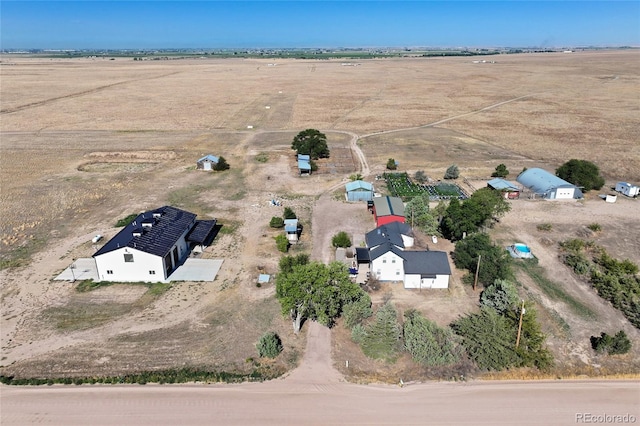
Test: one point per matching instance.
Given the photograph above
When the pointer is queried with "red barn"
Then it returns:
(387, 210)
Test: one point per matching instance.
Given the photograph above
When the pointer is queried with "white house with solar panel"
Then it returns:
(151, 247)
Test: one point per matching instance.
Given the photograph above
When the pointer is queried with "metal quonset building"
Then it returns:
(547, 185)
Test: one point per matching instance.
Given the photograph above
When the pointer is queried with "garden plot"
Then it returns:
(400, 185)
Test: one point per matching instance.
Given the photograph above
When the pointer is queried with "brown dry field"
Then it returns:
(86, 142)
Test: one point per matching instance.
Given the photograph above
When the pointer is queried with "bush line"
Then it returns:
(184, 375)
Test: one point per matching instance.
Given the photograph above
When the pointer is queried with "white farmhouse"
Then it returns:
(389, 261)
(627, 189)
(151, 247)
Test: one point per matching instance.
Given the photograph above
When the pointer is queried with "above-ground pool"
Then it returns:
(520, 251)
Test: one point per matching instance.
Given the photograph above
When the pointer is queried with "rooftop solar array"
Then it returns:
(167, 225)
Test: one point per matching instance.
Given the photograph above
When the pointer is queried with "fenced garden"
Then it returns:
(401, 185)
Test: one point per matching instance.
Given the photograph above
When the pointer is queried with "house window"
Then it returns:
(397, 271)
(384, 260)
(109, 272)
(152, 272)
(128, 257)
(393, 261)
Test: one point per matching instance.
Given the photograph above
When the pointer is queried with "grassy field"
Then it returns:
(85, 143)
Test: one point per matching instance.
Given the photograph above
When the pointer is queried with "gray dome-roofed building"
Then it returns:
(547, 185)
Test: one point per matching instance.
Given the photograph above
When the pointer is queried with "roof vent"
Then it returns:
(157, 215)
(137, 232)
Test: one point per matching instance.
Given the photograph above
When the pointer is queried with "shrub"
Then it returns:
(546, 227)
(221, 165)
(452, 172)
(262, 158)
(276, 222)
(341, 239)
(391, 164)
(269, 345)
(578, 262)
(282, 243)
(126, 220)
(289, 213)
(501, 171)
(420, 176)
(613, 345)
(595, 227)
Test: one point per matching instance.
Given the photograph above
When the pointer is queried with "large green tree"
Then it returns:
(479, 210)
(495, 262)
(417, 213)
(427, 343)
(488, 338)
(311, 142)
(383, 337)
(581, 173)
(501, 295)
(315, 291)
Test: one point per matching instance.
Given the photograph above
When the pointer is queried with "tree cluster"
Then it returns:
(311, 142)
(489, 339)
(418, 214)
(612, 345)
(615, 280)
(479, 210)
(495, 262)
(427, 343)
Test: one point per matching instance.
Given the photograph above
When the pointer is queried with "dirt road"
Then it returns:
(283, 402)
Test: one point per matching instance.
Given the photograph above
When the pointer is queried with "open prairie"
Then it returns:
(85, 142)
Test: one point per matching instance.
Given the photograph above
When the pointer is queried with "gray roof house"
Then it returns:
(388, 261)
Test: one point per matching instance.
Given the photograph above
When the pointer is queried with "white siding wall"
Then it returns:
(407, 241)
(564, 193)
(138, 270)
(388, 267)
(413, 281)
(627, 189)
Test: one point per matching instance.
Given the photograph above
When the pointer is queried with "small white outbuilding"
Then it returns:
(627, 189)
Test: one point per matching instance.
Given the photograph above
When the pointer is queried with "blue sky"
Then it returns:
(239, 24)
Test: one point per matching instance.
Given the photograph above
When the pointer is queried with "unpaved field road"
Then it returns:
(281, 402)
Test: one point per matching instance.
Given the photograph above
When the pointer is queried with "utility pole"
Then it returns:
(520, 325)
(475, 281)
